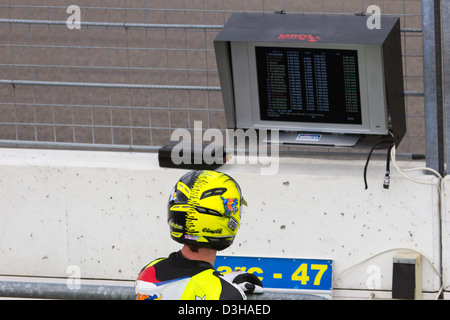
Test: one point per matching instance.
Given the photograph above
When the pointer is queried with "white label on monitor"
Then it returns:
(309, 137)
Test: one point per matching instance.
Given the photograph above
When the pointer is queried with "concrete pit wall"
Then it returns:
(105, 212)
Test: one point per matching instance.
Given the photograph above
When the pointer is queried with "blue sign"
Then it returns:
(282, 273)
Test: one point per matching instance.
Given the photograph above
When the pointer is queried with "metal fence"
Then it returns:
(136, 70)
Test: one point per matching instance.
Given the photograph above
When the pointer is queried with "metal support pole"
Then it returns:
(446, 59)
(432, 62)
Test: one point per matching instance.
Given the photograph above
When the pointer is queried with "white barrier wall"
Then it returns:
(446, 234)
(105, 212)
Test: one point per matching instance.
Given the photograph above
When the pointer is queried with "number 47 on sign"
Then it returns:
(310, 274)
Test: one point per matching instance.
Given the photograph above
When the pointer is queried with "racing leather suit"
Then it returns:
(178, 278)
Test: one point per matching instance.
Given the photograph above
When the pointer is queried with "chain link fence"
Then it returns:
(136, 70)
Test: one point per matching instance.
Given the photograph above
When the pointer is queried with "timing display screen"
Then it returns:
(308, 85)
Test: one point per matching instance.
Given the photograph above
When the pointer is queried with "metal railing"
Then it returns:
(92, 291)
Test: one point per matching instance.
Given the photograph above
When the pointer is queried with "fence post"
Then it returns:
(432, 65)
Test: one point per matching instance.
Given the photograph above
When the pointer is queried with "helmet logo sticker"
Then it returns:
(190, 237)
(175, 225)
(173, 195)
(232, 224)
(208, 230)
(230, 205)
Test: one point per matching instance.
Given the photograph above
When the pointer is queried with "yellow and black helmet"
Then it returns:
(205, 209)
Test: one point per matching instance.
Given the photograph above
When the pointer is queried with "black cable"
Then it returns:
(387, 164)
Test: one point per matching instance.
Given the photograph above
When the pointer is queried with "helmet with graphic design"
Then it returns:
(205, 209)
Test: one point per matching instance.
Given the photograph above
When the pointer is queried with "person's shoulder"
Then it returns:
(152, 263)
